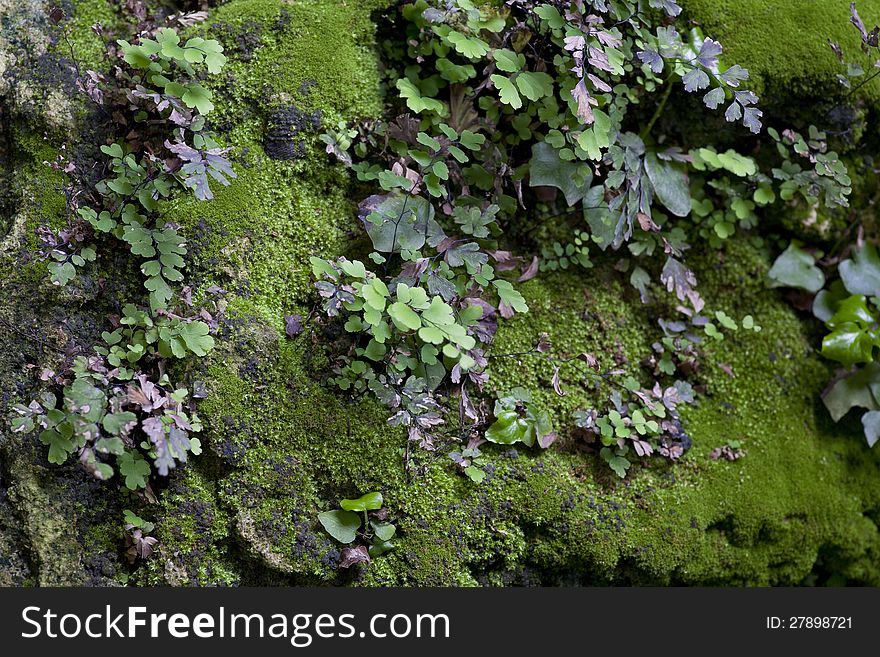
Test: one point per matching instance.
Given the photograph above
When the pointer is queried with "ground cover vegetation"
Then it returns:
(589, 289)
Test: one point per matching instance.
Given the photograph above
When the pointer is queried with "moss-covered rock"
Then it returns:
(784, 45)
(61, 526)
(801, 506)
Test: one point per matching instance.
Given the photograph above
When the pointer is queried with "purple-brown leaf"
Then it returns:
(293, 325)
(557, 388)
(353, 555)
(530, 272)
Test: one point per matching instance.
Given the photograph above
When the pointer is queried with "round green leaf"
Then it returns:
(404, 317)
(383, 530)
(341, 525)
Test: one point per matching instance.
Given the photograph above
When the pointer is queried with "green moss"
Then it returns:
(801, 506)
(285, 448)
(281, 55)
(193, 533)
(289, 462)
(255, 238)
(802, 503)
(806, 489)
(595, 315)
(46, 520)
(784, 44)
(39, 187)
(89, 49)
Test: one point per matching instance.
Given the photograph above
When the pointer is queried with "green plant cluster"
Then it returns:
(164, 86)
(120, 402)
(846, 289)
(347, 526)
(516, 109)
(638, 421)
(517, 421)
(558, 256)
(427, 319)
(424, 325)
(850, 308)
(138, 541)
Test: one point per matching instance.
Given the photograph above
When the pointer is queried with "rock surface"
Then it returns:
(802, 506)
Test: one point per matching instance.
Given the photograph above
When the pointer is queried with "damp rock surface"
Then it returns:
(281, 447)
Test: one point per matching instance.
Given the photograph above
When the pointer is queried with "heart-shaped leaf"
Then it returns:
(341, 525)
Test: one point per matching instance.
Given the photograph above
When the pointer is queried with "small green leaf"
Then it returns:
(195, 336)
(764, 195)
(61, 273)
(507, 60)
(119, 423)
(60, 446)
(670, 184)
(736, 163)
(151, 268)
(134, 469)
(426, 140)
(383, 530)
(469, 46)
(547, 169)
(367, 502)
(551, 15)
(742, 208)
(861, 274)
(379, 547)
(828, 300)
(854, 333)
(507, 429)
(198, 97)
(404, 318)
(432, 335)
(726, 320)
(375, 350)
(506, 91)
(416, 101)
(354, 268)
(113, 150)
(860, 389)
(110, 446)
(617, 463)
(438, 313)
(724, 229)
(22, 424)
(454, 72)
(871, 425)
(534, 86)
(341, 525)
(121, 186)
(475, 474)
(510, 296)
(471, 140)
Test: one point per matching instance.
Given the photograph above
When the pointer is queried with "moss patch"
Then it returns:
(802, 506)
(784, 44)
